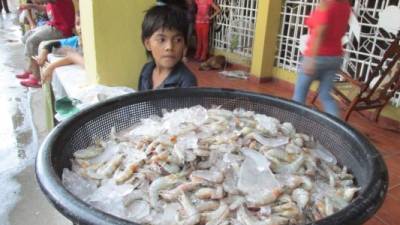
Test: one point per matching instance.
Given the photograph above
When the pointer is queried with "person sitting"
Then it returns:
(164, 35)
(69, 48)
(74, 42)
(60, 25)
(32, 17)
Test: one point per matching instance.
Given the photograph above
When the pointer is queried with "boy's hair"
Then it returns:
(164, 17)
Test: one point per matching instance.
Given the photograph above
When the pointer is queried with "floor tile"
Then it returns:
(389, 213)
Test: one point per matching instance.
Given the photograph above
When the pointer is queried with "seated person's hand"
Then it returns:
(39, 60)
(47, 73)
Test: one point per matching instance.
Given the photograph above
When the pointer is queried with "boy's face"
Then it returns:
(167, 47)
(78, 25)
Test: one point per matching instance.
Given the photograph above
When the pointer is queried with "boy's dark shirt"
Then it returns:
(180, 76)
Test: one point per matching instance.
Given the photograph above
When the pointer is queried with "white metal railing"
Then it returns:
(233, 29)
(367, 38)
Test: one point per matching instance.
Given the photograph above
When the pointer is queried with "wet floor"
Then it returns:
(20, 197)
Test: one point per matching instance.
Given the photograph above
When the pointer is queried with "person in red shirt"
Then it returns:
(61, 23)
(202, 26)
(322, 57)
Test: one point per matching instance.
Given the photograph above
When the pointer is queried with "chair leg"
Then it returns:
(377, 114)
(347, 115)
(350, 109)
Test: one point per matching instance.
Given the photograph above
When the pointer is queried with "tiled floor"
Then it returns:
(385, 135)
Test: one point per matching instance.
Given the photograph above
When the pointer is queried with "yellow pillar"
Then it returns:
(114, 54)
(264, 46)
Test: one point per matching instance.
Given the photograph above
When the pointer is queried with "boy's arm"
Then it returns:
(76, 58)
(32, 6)
(30, 19)
(68, 60)
(45, 50)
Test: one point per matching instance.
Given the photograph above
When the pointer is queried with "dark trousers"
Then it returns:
(4, 4)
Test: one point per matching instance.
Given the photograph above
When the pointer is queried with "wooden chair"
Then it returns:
(374, 91)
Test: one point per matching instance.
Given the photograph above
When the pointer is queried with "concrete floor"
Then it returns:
(21, 200)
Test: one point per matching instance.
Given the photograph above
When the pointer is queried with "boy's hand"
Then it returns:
(47, 73)
(39, 60)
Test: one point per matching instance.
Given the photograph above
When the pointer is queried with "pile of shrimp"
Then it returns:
(211, 166)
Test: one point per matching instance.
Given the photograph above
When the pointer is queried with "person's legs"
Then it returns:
(42, 33)
(329, 67)
(204, 40)
(27, 72)
(302, 85)
(5, 5)
(198, 42)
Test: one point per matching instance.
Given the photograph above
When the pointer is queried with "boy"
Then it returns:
(164, 30)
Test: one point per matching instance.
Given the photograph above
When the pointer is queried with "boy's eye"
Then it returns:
(178, 39)
(161, 39)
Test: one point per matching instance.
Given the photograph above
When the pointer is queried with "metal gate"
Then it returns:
(233, 29)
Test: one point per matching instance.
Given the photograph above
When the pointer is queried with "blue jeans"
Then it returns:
(325, 70)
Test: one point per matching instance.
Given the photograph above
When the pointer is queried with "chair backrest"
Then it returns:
(390, 85)
(384, 68)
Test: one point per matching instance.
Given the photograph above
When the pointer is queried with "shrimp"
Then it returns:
(204, 206)
(110, 167)
(208, 175)
(127, 173)
(192, 214)
(210, 193)
(349, 193)
(159, 184)
(218, 216)
(279, 154)
(292, 167)
(264, 198)
(90, 152)
(174, 193)
(301, 197)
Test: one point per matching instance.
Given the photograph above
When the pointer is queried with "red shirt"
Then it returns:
(203, 10)
(61, 15)
(336, 18)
